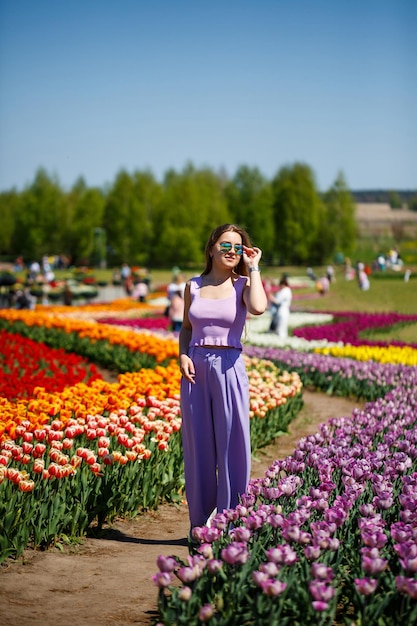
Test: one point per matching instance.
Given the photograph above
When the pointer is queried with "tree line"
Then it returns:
(396, 198)
(147, 223)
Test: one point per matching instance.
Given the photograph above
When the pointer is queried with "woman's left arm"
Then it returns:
(254, 295)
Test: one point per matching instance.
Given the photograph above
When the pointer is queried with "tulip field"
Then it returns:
(77, 451)
(327, 536)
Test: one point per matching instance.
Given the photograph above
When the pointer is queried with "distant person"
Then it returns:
(127, 280)
(330, 274)
(282, 301)
(67, 295)
(272, 307)
(311, 274)
(24, 299)
(176, 310)
(117, 277)
(349, 271)
(178, 282)
(323, 285)
(34, 271)
(140, 291)
(381, 262)
(363, 277)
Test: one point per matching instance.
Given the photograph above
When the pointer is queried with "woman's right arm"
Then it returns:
(186, 364)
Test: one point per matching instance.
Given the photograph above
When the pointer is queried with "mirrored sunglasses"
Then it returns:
(227, 247)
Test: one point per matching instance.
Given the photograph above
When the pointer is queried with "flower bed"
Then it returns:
(348, 326)
(328, 536)
(93, 451)
(27, 364)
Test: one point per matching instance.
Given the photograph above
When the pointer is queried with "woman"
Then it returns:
(214, 385)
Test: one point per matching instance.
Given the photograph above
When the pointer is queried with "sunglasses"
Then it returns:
(227, 247)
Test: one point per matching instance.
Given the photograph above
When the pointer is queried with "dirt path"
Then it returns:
(108, 581)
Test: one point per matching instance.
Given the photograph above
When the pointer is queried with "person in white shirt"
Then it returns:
(282, 299)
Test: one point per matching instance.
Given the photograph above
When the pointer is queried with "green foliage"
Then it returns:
(339, 230)
(148, 223)
(298, 215)
(412, 203)
(39, 224)
(87, 215)
(249, 197)
(129, 218)
(8, 205)
(394, 200)
(193, 203)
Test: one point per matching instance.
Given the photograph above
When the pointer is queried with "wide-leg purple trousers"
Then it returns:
(215, 432)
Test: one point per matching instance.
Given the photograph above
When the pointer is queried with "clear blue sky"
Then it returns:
(90, 87)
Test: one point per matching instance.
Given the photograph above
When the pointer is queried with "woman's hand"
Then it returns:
(252, 256)
(187, 368)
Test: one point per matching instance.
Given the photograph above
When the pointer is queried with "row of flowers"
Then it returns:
(51, 320)
(347, 327)
(329, 535)
(26, 364)
(338, 335)
(96, 450)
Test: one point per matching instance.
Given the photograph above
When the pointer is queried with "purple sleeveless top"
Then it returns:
(217, 322)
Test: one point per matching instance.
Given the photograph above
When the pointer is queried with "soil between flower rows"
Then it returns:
(107, 581)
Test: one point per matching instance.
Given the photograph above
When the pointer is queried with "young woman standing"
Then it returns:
(214, 385)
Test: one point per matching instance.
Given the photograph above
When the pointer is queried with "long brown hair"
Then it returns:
(215, 236)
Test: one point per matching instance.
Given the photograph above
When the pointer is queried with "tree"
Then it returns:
(394, 200)
(130, 218)
(192, 204)
(87, 216)
(339, 229)
(39, 212)
(249, 198)
(298, 211)
(412, 203)
(147, 194)
(9, 201)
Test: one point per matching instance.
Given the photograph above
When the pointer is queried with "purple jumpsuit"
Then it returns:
(215, 409)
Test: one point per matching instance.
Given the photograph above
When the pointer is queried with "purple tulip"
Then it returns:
(162, 579)
(206, 550)
(322, 572)
(409, 564)
(214, 566)
(374, 565)
(166, 563)
(273, 588)
(241, 533)
(236, 553)
(259, 577)
(282, 555)
(320, 591)
(312, 553)
(366, 586)
(185, 594)
(408, 586)
(205, 613)
(189, 574)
